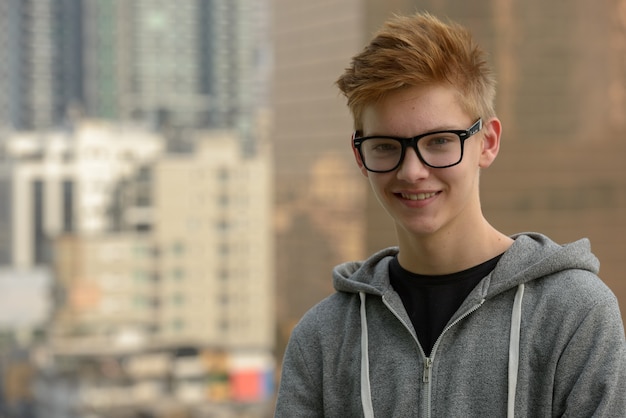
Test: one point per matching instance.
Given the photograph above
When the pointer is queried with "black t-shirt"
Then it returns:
(431, 301)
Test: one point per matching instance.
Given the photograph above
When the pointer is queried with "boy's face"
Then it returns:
(422, 200)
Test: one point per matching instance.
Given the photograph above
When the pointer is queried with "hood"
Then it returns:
(531, 256)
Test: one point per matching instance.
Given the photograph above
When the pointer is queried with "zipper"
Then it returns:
(456, 321)
(428, 361)
(428, 365)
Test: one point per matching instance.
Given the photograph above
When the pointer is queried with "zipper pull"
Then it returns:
(428, 364)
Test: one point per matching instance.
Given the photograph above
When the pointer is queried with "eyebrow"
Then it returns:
(359, 133)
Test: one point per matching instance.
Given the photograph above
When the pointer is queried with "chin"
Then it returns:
(419, 230)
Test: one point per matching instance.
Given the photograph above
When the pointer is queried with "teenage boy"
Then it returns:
(459, 320)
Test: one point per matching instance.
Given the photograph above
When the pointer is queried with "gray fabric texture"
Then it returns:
(572, 351)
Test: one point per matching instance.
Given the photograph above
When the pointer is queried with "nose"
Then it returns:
(412, 168)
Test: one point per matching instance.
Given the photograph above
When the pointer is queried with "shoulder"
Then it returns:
(317, 337)
(327, 316)
(574, 288)
(573, 302)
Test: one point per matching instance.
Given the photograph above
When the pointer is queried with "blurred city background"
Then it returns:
(176, 182)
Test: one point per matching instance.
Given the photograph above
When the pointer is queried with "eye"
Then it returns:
(385, 146)
(439, 141)
(382, 146)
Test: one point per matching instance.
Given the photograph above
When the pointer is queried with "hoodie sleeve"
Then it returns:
(591, 373)
(299, 394)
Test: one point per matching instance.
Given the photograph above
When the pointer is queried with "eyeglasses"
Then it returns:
(441, 149)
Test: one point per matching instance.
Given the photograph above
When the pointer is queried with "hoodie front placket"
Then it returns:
(428, 361)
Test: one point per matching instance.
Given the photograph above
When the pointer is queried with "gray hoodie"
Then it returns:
(541, 336)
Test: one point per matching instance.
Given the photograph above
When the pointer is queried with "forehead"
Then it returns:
(413, 110)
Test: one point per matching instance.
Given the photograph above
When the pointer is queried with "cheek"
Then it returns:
(472, 155)
(377, 182)
(465, 182)
(459, 176)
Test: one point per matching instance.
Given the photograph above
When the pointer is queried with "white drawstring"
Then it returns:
(514, 346)
(366, 393)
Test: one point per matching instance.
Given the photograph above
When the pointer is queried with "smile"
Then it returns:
(418, 196)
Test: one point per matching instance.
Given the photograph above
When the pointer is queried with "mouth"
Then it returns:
(417, 196)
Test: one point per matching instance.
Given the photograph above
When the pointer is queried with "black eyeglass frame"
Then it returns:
(405, 142)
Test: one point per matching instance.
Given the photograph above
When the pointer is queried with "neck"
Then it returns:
(449, 252)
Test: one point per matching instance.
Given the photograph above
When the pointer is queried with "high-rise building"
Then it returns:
(63, 181)
(142, 60)
(236, 62)
(200, 274)
(562, 78)
(199, 282)
(40, 72)
(213, 224)
(184, 64)
(27, 45)
(9, 63)
(320, 217)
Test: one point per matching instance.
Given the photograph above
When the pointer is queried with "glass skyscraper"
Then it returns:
(184, 64)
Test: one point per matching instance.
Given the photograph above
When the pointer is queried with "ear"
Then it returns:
(357, 156)
(492, 130)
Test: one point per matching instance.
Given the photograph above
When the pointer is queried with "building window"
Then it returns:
(178, 248)
(41, 250)
(141, 301)
(223, 325)
(140, 276)
(178, 324)
(223, 175)
(223, 225)
(178, 299)
(141, 251)
(68, 206)
(223, 200)
(178, 274)
(224, 249)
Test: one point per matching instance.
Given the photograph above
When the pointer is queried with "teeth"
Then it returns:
(418, 196)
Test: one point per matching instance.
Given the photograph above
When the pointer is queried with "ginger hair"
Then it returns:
(420, 50)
